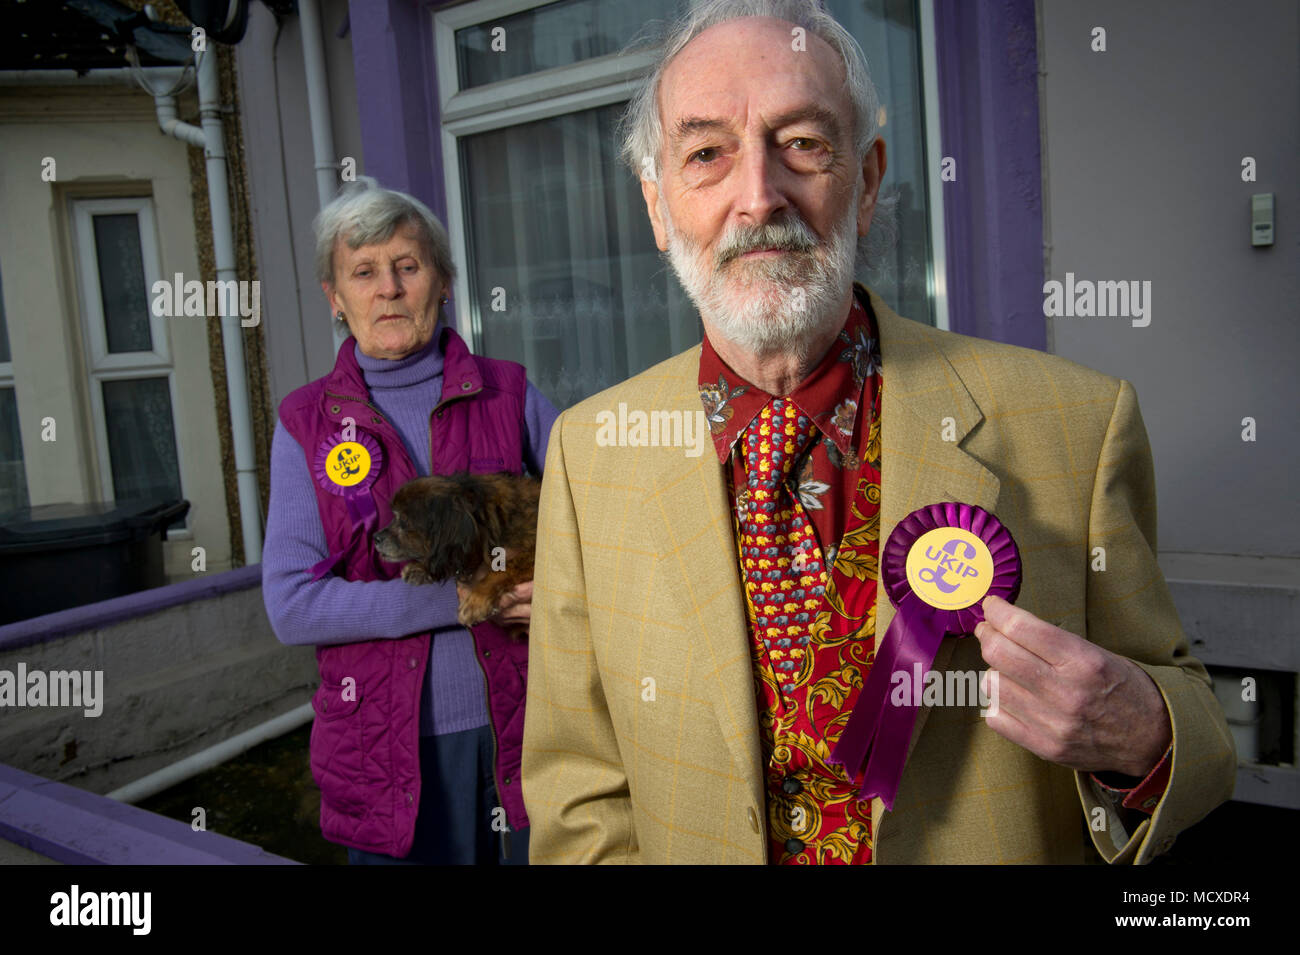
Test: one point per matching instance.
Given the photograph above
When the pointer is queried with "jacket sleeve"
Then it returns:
(575, 789)
(1130, 612)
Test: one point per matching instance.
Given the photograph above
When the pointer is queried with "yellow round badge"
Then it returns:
(949, 568)
(347, 464)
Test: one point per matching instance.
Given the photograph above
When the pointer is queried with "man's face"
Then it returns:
(760, 200)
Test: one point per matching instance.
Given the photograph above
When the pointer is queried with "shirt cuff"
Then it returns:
(1142, 795)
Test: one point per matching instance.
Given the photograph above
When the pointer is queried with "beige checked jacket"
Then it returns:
(641, 737)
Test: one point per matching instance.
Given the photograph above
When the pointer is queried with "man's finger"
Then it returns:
(1028, 706)
(1039, 637)
(1006, 656)
(1009, 726)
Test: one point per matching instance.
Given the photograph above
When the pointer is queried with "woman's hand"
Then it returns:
(514, 611)
(516, 607)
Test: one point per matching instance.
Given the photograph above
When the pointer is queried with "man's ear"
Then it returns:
(650, 190)
(873, 170)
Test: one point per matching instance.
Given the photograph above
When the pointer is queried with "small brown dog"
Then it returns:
(452, 526)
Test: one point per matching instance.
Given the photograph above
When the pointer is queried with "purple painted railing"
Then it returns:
(76, 827)
(51, 626)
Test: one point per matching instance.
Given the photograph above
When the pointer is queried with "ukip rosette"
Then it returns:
(940, 562)
(347, 464)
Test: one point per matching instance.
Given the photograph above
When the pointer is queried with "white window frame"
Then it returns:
(938, 278)
(566, 89)
(7, 381)
(83, 211)
(101, 366)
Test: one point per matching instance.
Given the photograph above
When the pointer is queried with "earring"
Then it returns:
(444, 300)
(339, 315)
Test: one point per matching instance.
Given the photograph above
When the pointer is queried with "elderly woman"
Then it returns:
(417, 736)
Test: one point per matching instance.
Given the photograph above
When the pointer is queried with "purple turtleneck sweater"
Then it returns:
(334, 610)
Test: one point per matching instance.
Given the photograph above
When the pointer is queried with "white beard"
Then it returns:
(755, 305)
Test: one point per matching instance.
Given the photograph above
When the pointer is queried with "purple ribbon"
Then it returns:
(359, 500)
(875, 740)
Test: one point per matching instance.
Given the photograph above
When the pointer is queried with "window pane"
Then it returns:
(121, 282)
(141, 439)
(5, 356)
(556, 34)
(887, 33)
(559, 227)
(13, 477)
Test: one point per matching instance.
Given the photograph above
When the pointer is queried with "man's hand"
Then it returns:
(1068, 700)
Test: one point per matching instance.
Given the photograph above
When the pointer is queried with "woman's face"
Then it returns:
(389, 293)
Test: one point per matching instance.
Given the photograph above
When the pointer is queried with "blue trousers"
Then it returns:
(460, 821)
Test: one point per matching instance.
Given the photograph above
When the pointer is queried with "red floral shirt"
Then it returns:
(807, 684)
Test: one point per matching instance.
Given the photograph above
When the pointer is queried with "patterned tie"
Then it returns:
(784, 572)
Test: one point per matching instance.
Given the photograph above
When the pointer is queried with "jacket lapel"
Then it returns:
(918, 466)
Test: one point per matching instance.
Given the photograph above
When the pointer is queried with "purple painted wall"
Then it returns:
(398, 99)
(988, 107)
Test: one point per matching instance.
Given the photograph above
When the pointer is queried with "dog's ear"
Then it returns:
(495, 510)
(453, 533)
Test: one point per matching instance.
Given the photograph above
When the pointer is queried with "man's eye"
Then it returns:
(705, 155)
(803, 143)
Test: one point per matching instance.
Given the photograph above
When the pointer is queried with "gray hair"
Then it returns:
(364, 212)
(642, 133)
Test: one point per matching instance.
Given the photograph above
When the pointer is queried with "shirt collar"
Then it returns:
(831, 395)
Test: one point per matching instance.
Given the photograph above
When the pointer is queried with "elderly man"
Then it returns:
(669, 719)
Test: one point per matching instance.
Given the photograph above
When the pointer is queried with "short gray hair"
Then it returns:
(364, 212)
(641, 131)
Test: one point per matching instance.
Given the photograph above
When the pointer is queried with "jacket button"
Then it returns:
(410, 798)
(375, 419)
(792, 786)
(753, 820)
(507, 780)
(466, 385)
(487, 653)
(439, 414)
(335, 409)
(794, 846)
(412, 663)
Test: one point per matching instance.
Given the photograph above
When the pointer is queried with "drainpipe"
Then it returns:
(318, 111)
(232, 337)
(199, 762)
(212, 138)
